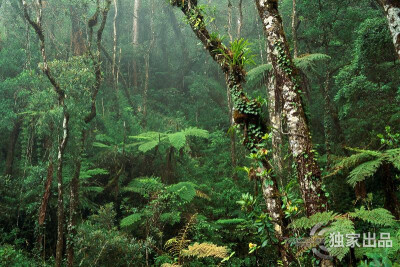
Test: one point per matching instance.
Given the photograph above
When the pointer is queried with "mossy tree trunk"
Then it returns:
(251, 122)
(392, 12)
(290, 85)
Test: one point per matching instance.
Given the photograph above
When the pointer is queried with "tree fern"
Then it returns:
(130, 220)
(378, 216)
(205, 250)
(341, 226)
(177, 244)
(185, 190)
(148, 141)
(363, 171)
(306, 63)
(318, 218)
(366, 163)
(144, 186)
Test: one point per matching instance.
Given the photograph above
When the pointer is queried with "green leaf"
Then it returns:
(363, 171)
(130, 220)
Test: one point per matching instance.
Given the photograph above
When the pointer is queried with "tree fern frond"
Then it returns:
(376, 216)
(185, 190)
(204, 250)
(193, 131)
(320, 217)
(130, 220)
(177, 140)
(363, 171)
(256, 77)
(341, 226)
(307, 63)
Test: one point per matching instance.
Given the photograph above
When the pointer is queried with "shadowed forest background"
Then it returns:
(198, 133)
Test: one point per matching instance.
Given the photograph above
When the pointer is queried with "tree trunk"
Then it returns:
(73, 206)
(392, 12)
(135, 40)
(294, 30)
(240, 19)
(390, 190)
(252, 125)
(77, 39)
(60, 190)
(45, 201)
(274, 111)
(147, 66)
(74, 186)
(327, 121)
(274, 207)
(12, 141)
(232, 133)
(286, 75)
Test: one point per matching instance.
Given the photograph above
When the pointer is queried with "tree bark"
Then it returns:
(251, 124)
(240, 19)
(74, 186)
(147, 66)
(275, 120)
(38, 27)
(77, 38)
(392, 12)
(391, 201)
(232, 133)
(294, 30)
(287, 78)
(11, 147)
(135, 40)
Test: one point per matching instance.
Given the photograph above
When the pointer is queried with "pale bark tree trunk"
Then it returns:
(38, 27)
(294, 29)
(147, 66)
(230, 21)
(114, 59)
(286, 75)
(135, 40)
(392, 12)
(274, 111)
(240, 19)
(327, 122)
(235, 78)
(232, 133)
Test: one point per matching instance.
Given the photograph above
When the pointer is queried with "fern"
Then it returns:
(185, 190)
(308, 62)
(144, 186)
(318, 218)
(193, 131)
(205, 250)
(130, 220)
(150, 140)
(177, 140)
(171, 217)
(256, 77)
(177, 244)
(341, 226)
(376, 216)
(230, 221)
(85, 174)
(363, 171)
